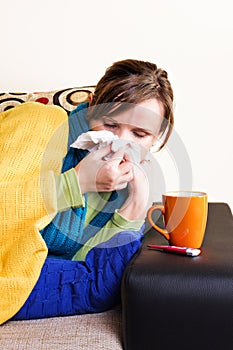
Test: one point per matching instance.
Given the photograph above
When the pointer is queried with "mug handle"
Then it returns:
(164, 232)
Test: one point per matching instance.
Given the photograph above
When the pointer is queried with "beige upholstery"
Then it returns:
(91, 331)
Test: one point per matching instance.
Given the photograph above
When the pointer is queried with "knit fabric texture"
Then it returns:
(27, 168)
(67, 287)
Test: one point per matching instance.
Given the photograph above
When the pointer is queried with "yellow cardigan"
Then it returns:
(33, 142)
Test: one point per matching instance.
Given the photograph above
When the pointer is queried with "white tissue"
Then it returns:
(94, 140)
(132, 149)
(135, 151)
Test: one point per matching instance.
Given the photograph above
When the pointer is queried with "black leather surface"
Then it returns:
(173, 301)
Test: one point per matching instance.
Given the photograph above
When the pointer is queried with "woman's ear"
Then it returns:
(90, 98)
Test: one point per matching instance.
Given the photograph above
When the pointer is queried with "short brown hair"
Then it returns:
(130, 82)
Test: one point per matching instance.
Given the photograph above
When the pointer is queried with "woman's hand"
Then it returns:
(98, 175)
(141, 191)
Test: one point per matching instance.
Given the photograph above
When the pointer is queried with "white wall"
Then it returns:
(50, 44)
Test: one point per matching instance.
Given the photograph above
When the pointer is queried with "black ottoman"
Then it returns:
(173, 301)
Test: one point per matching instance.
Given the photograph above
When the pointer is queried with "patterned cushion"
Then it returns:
(68, 99)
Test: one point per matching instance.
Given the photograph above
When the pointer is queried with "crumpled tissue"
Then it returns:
(94, 140)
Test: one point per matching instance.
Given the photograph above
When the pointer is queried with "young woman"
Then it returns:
(90, 206)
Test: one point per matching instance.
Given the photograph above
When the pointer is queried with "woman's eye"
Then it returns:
(110, 126)
(139, 134)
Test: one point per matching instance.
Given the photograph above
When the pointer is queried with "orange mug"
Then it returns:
(185, 217)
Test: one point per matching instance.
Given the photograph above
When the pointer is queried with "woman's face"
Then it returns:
(140, 124)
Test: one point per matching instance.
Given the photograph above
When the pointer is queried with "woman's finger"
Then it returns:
(126, 177)
(103, 151)
(119, 155)
(125, 167)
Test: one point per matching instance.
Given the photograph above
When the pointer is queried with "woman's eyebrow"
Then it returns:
(110, 119)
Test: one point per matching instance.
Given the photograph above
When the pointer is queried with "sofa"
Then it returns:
(167, 300)
(90, 331)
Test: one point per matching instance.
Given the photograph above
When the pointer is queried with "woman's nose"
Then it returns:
(124, 134)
